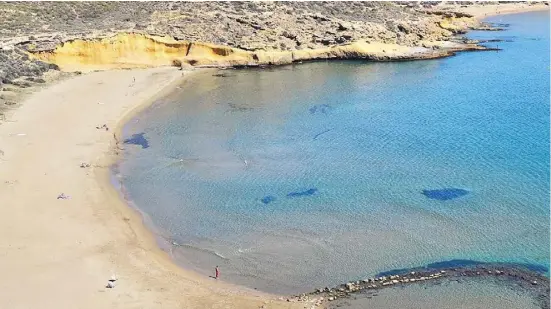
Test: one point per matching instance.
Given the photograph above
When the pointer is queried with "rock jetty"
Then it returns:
(536, 283)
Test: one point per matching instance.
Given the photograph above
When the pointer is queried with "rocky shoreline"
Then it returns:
(172, 50)
(520, 275)
(37, 38)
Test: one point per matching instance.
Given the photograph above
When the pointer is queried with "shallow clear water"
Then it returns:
(306, 176)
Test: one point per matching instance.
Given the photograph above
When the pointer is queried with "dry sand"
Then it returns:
(60, 253)
(486, 10)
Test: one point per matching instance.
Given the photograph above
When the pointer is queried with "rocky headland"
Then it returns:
(39, 40)
(38, 37)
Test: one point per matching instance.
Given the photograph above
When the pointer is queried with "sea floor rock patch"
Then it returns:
(308, 192)
(320, 108)
(268, 199)
(321, 133)
(137, 139)
(445, 193)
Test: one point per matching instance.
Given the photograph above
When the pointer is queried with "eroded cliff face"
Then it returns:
(123, 50)
(132, 50)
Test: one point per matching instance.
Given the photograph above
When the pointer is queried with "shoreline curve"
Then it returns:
(67, 249)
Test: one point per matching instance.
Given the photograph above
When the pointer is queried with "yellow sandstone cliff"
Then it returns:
(131, 50)
(124, 50)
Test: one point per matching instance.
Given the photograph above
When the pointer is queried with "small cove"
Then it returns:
(305, 176)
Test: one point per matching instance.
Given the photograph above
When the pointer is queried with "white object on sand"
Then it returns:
(111, 282)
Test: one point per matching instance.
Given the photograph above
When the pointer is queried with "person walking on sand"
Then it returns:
(216, 272)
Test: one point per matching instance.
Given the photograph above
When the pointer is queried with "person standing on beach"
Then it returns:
(216, 272)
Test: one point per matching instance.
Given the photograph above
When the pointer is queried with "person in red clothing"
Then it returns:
(216, 272)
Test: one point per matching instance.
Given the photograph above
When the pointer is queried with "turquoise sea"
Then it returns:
(305, 176)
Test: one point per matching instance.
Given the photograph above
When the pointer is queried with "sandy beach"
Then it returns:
(60, 253)
(487, 10)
